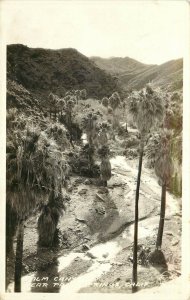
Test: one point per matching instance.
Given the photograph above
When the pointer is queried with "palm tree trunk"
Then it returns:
(126, 129)
(162, 217)
(18, 258)
(115, 120)
(135, 246)
(69, 121)
(91, 162)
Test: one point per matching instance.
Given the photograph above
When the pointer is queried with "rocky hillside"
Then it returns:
(42, 71)
(134, 75)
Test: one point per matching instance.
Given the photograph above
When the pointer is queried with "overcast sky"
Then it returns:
(149, 31)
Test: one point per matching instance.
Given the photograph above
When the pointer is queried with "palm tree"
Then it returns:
(33, 165)
(53, 105)
(69, 109)
(89, 127)
(83, 94)
(49, 218)
(105, 170)
(102, 137)
(51, 97)
(146, 108)
(114, 102)
(125, 113)
(164, 170)
(77, 95)
(105, 102)
(61, 105)
(105, 166)
(18, 258)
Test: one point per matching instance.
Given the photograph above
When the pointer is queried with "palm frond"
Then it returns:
(35, 165)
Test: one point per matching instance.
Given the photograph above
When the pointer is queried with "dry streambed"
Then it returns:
(97, 235)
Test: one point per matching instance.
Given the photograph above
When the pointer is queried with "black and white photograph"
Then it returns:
(94, 148)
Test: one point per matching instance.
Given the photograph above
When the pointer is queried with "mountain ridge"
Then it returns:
(133, 74)
(42, 71)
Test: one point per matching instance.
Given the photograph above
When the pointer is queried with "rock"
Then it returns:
(89, 254)
(82, 192)
(169, 233)
(87, 181)
(130, 258)
(118, 279)
(177, 214)
(65, 236)
(70, 189)
(85, 247)
(100, 210)
(79, 180)
(77, 258)
(80, 219)
(103, 190)
(105, 255)
(175, 242)
(118, 184)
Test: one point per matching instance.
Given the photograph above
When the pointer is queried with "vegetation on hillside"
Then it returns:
(43, 71)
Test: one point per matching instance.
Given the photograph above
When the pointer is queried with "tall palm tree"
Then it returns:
(164, 170)
(105, 166)
(61, 105)
(89, 127)
(69, 115)
(102, 136)
(114, 102)
(33, 165)
(105, 170)
(51, 97)
(18, 258)
(146, 109)
(53, 105)
(125, 113)
(77, 95)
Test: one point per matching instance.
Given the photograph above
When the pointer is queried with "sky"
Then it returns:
(151, 32)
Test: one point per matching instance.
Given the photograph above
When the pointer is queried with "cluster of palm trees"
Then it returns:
(112, 104)
(57, 105)
(97, 139)
(147, 110)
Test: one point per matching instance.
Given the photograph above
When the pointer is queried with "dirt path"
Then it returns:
(97, 235)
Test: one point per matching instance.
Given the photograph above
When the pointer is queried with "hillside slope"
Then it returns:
(119, 65)
(134, 75)
(43, 71)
